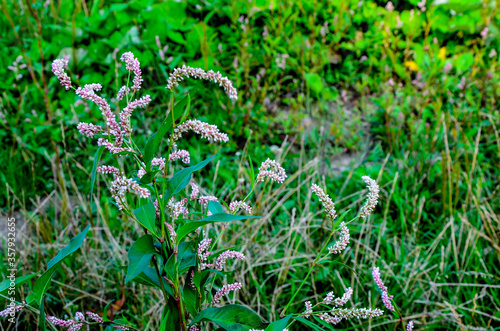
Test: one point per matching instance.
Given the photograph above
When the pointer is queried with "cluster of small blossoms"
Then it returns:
(132, 64)
(124, 90)
(122, 185)
(120, 327)
(205, 130)
(194, 328)
(309, 309)
(224, 291)
(179, 74)
(70, 324)
(181, 154)
(343, 241)
(108, 170)
(127, 111)
(95, 317)
(386, 298)
(11, 310)
(326, 201)
(237, 205)
(88, 129)
(372, 200)
(409, 326)
(221, 259)
(348, 313)
(177, 208)
(339, 301)
(203, 200)
(195, 191)
(272, 170)
(203, 253)
(58, 67)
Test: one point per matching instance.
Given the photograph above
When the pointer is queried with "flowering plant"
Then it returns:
(178, 251)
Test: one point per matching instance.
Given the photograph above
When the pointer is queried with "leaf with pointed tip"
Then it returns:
(231, 317)
(146, 215)
(182, 178)
(4, 286)
(139, 256)
(279, 325)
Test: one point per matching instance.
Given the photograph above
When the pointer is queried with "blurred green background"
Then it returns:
(405, 94)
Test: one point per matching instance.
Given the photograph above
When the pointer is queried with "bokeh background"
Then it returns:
(403, 92)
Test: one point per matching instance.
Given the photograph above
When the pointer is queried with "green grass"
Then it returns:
(433, 147)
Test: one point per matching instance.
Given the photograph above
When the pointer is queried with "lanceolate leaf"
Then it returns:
(146, 217)
(42, 283)
(221, 217)
(182, 178)
(308, 323)
(105, 313)
(231, 317)
(5, 285)
(215, 207)
(279, 325)
(139, 256)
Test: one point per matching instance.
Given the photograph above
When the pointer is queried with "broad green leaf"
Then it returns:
(221, 217)
(231, 317)
(148, 177)
(191, 299)
(105, 312)
(215, 207)
(202, 276)
(42, 283)
(5, 285)
(97, 158)
(182, 178)
(280, 324)
(186, 257)
(139, 256)
(146, 216)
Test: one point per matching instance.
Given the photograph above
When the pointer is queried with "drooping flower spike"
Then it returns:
(58, 67)
(205, 130)
(272, 170)
(133, 65)
(179, 73)
(343, 241)
(326, 201)
(224, 291)
(372, 200)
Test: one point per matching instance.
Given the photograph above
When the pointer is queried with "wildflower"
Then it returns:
(493, 53)
(108, 170)
(339, 302)
(198, 73)
(224, 291)
(237, 205)
(60, 322)
(76, 327)
(346, 313)
(122, 185)
(132, 64)
(221, 259)
(79, 316)
(343, 241)
(171, 231)
(158, 161)
(372, 200)
(484, 33)
(462, 83)
(177, 208)
(11, 310)
(363, 59)
(447, 68)
(141, 173)
(58, 69)
(95, 317)
(203, 200)
(120, 327)
(194, 328)
(195, 191)
(190, 281)
(203, 253)
(308, 310)
(124, 90)
(88, 129)
(421, 5)
(277, 173)
(326, 201)
(127, 111)
(182, 154)
(409, 326)
(378, 280)
(329, 319)
(386, 299)
(389, 6)
(205, 130)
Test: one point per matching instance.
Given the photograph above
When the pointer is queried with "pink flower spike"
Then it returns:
(95, 317)
(224, 291)
(182, 154)
(372, 200)
(179, 74)
(203, 200)
(124, 90)
(58, 67)
(79, 317)
(326, 201)
(272, 170)
(308, 310)
(205, 130)
(195, 191)
(339, 302)
(203, 253)
(409, 326)
(60, 322)
(127, 112)
(221, 259)
(237, 205)
(386, 299)
(120, 327)
(343, 241)
(11, 310)
(108, 170)
(378, 280)
(133, 65)
(88, 129)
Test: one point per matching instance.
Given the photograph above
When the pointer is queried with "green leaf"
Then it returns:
(191, 300)
(200, 277)
(42, 283)
(186, 257)
(41, 318)
(149, 277)
(231, 317)
(221, 217)
(105, 312)
(146, 216)
(97, 158)
(148, 177)
(139, 256)
(181, 179)
(280, 324)
(215, 207)
(5, 285)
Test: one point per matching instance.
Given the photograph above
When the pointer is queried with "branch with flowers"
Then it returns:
(177, 252)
